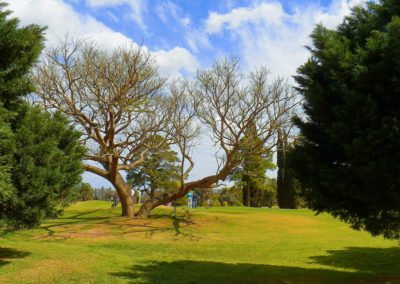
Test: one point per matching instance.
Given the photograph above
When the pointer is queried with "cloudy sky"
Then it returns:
(185, 35)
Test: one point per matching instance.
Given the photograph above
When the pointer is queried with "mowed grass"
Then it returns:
(90, 243)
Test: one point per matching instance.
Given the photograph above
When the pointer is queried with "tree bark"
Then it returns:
(145, 209)
(123, 190)
(152, 203)
(165, 198)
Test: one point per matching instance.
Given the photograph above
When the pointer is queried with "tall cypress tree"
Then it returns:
(40, 156)
(287, 186)
(251, 174)
(348, 158)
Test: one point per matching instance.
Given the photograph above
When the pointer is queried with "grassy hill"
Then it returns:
(90, 243)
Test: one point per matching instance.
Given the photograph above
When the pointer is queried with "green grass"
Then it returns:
(90, 243)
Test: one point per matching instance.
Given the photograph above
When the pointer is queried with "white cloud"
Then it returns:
(185, 21)
(268, 35)
(168, 11)
(197, 39)
(137, 8)
(270, 14)
(60, 18)
(176, 61)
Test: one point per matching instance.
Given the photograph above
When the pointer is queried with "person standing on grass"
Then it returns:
(190, 199)
(133, 196)
(195, 199)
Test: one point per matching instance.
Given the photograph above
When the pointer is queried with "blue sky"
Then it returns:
(187, 35)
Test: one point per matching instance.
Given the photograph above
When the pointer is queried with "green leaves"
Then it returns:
(19, 50)
(348, 156)
(46, 165)
(40, 155)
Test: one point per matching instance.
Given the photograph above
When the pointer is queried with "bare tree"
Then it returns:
(118, 101)
(225, 104)
(115, 99)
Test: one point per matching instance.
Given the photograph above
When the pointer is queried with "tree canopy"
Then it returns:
(40, 154)
(250, 174)
(348, 157)
(159, 172)
(46, 165)
(123, 107)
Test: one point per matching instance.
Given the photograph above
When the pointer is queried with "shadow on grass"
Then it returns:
(6, 254)
(76, 219)
(371, 265)
(52, 227)
(383, 261)
(188, 271)
(105, 212)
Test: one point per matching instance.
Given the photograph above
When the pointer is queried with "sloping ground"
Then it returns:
(91, 244)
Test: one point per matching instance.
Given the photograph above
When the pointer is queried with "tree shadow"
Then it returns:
(7, 254)
(378, 261)
(79, 216)
(189, 271)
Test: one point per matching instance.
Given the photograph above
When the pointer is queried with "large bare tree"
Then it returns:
(225, 103)
(119, 102)
(114, 98)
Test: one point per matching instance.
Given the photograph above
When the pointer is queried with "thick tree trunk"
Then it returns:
(165, 198)
(152, 203)
(123, 190)
(145, 209)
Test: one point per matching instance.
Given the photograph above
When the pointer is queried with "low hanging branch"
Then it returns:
(115, 99)
(222, 105)
(118, 101)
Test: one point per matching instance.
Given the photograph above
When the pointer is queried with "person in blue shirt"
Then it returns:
(195, 199)
(190, 199)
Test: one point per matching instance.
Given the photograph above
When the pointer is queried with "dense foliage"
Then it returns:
(46, 164)
(288, 187)
(158, 173)
(19, 49)
(40, 154)
(349, 155)
(250, 175)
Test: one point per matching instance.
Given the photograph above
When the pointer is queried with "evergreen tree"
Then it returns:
(158, 173)
(85, 192)
(250, 175)
(288, 188)
(40, 156)
(7, 148)
(19, 50)
(348, 158)
(46, 165)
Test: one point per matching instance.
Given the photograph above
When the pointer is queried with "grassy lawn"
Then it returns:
(90, 243)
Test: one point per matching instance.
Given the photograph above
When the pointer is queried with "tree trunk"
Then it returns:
(206, 182)
(248, 197)
(145, 209)
(285, 190)
(152, 203)
(123, 190)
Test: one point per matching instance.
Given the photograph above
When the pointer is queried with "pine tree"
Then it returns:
(46, 165)
(348, 158)
(40, 156)
(251, 174)
(158, 173)
(19, 50)
(287, 186)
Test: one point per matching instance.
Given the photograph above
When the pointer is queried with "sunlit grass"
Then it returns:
(90, 243)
